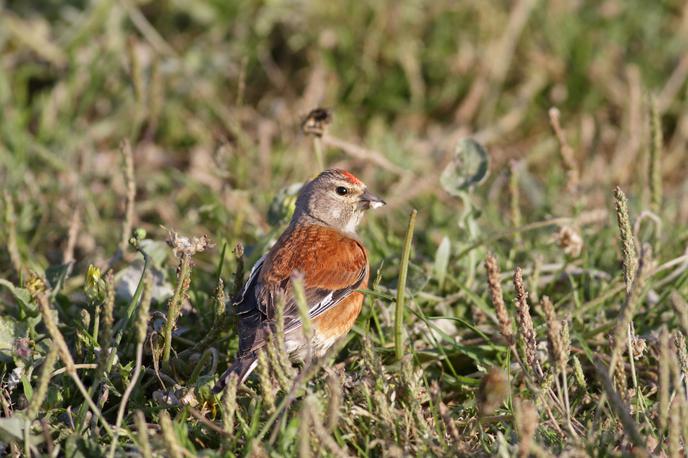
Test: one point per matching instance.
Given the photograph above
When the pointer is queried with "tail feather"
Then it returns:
(242, 367)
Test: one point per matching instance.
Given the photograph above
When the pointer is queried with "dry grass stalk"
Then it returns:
(74, 225)
(334, 388)
(664, 379)
(655, 163)
(238, 252)
(515, 199)
(681, 308)
(130, 182)
(675, 430)
(266, 381)
(229, 405)
(526, 419)
(37, 290)
(495, 288)
(11, 228)
(321, 432)
(525, 323)
(170, 436)
(107, 319)
(142, 434)
(620, 408)
(680, 344)
(41, 390)
(566, 151)
(630, 256)
(554, 337)
(305, 432)
(277, 364)
(623, 331)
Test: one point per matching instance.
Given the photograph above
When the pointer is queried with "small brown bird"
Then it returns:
(321, 245)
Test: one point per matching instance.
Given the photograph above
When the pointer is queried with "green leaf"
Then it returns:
(56, 276)
(8, 329)
(442, 261)
(468, 167)
(20, 294)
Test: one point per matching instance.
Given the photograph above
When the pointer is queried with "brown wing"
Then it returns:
(332, 264)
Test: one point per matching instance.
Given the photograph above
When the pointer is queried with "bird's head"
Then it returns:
(335, 198)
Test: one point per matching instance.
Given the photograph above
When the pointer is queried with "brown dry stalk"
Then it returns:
(567, 153)
(515, 199)
(11, 229)
(41, 390)
(334, 388)
(620, 408)
(525, 323)
(128, 222)
(664, 379)
(654, 171)
(320, 431)
(266, 381)
(495, 288)
(74, 225)
(142, 434)
(526, 419)
(229, 405)
(681, 308)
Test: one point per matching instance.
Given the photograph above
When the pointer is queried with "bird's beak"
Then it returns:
(370, 200)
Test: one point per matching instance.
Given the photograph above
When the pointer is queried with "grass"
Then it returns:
(535, 307)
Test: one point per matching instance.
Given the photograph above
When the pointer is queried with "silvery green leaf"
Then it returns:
(468, 167)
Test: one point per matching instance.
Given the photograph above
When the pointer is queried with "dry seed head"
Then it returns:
(680, 344)
(525, 323)
(578, 372)
(554, 340)
(495, 288)
(493, 390)
(144, 308)
(570, 241)
(229, 404)
(630, 257)
(316, 122)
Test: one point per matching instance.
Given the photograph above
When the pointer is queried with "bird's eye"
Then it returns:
(341, 190)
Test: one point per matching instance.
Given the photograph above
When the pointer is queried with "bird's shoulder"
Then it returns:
(315, 251)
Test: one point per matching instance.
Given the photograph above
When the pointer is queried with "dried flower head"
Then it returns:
(493, 390)
(570, 241)
(495, 288)
(187, 246)
(316, 122)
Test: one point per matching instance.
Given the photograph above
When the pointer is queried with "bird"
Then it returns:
(320, 246)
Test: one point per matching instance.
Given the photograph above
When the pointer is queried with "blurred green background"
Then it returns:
(211, 95)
